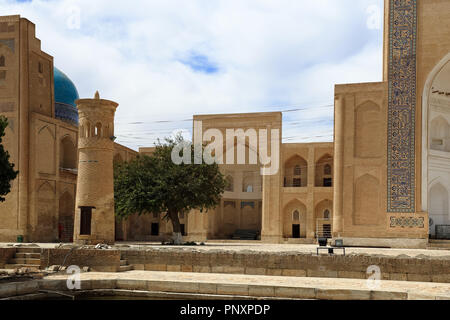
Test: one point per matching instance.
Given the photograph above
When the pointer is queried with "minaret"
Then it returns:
(94, 208)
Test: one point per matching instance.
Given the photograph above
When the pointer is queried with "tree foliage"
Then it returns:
(154, 184)
(7, 172)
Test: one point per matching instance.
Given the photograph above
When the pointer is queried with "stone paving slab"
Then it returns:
(263, 286)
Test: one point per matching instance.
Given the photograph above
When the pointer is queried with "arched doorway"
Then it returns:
(294, 220)
(323, 219)
(436, 147)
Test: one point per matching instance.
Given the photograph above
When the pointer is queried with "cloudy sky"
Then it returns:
(165, 60)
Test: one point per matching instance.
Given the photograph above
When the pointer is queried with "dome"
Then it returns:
(65, 96)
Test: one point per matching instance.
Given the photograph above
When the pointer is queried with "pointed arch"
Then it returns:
(323, 179)
(294, 219)
(68, 153)
(296, 172)
(427, 91)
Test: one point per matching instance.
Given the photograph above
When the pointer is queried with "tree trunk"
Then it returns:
(177, 237)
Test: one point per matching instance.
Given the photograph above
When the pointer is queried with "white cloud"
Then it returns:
(268, 52)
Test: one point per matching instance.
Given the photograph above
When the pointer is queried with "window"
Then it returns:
(296, 215)
(297, 182)
(297, 170)
(327, 169)
(155, 229)
(183, 229)
(2, 75)
(327, 182)
(41, 67)
(2, 61)
(249, 188)
(85, 220)
(326, 214)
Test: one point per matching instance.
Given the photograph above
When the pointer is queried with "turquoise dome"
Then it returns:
(65, 96)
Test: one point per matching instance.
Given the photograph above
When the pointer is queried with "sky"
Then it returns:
(165, 60)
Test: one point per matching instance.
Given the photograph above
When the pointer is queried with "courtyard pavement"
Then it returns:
(265, 247)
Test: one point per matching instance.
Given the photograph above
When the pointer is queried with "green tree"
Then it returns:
(7, 172)
(155, 184)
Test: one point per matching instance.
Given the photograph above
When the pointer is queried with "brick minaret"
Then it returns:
(94, 208)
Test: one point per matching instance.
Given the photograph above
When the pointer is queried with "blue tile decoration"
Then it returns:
(402, 106)
(407, 222)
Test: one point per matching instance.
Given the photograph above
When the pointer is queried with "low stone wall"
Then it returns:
(6, 254)
(96, 260)
(422, 268)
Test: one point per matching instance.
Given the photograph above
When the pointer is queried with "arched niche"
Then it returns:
(439, 206)
(435, 130)
(68, 153)
(294, 219)
(296, 172)
(324, 171)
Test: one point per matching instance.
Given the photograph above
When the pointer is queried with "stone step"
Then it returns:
(123, 262)
(28, 250)
(25, 261)
(16, 266)
(126, 268)
(28, 255)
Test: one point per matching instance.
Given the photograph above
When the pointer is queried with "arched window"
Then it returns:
(229, 187)
(98, 129)
(296, 215)
(297, 170)
(2, 61)
(249, 188)
(88, 130)
(327, 169)
(326, 214)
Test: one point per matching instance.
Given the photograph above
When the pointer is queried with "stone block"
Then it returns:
(273, 272)
(232, 289)
(388, 295)
(207, 288)
(293, 273)
(295, 293)
(233, 270)
(255, 271)
(342, 294)
(419, 277)
(131, 284)
(155, 267)
(103, 284)
(173, 268)
(261, 291)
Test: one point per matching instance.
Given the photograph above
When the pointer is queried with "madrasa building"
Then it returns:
(383, 181)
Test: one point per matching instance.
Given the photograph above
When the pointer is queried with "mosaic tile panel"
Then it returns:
(402, 106)
(407, 222)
